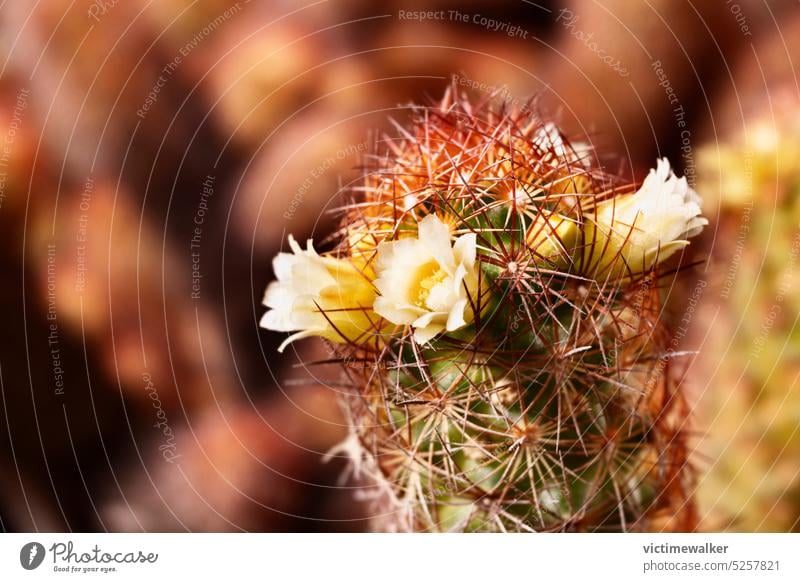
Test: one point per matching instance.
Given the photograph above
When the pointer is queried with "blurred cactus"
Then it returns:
(750, 478)
(519, 379)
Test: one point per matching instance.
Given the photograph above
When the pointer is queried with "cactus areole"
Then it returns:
(494, 299)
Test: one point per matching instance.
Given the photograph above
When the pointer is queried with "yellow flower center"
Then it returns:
(428, 276)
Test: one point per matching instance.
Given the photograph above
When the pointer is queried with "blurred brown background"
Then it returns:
(156, 153)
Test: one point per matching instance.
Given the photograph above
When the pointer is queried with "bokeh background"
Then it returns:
(155, 155)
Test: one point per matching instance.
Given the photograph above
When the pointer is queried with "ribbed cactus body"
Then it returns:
(556, 408)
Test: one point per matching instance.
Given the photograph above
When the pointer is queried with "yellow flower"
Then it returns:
(319, 296)
(426, 282)
(628, 235)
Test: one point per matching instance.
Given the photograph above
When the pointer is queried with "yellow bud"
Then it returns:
(552, 239)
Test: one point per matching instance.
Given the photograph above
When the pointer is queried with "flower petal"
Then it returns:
(465, 249)
(390, 311)
(455, 320)
(434, 235)
(423, 335)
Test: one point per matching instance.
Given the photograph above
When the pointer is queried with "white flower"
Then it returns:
(427, 282)
(548, 137)
(630, 234)
(319, 296)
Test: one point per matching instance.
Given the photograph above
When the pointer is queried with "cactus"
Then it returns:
(751, 426)
(510, 371)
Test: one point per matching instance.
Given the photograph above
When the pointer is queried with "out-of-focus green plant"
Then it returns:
(750, 408)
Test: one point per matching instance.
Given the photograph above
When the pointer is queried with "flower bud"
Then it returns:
(628, 235)
(552, 239)
(319, 296)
